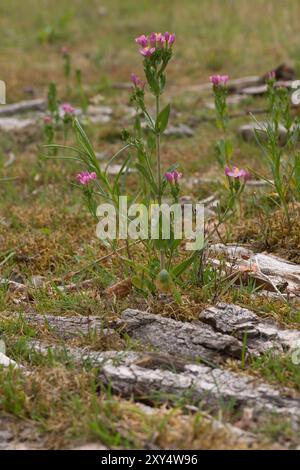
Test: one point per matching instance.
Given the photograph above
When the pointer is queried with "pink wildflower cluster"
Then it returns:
(173, 176)
(85, 177)
(150, 43)
(236, 172)
(137, 82)
(219, 80)
(68, 108)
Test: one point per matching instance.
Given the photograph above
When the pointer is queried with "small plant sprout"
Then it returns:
(237, 178)
(281, 155)
(53, 106)
(68, 113)
(48, 129)
(51, 120)
(224, 145)
(67, 67)
(80, 91)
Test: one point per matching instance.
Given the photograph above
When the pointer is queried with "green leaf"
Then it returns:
(123, 170)
(85, 143)
(2, 347)
(143, 283)
(152, 82)
(297, 176)
(147, 176)
(163, 119)
(181, 267)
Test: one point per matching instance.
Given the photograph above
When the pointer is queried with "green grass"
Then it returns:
(213, 35)
(278, 369)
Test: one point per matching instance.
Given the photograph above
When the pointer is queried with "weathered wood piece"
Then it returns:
(145, 376)
(262, 89)
(248, 132)
(23, 107)
(271, 272)
(181, 130)
(262, 334)
(10, 124)
(68, 327)
(180, 338)
(218, 335)
(194, 340)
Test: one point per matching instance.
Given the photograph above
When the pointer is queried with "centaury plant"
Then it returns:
(58, 117)
(277, 138)
(235, 177)
(224, 145)
(142, 150)
(164, 260)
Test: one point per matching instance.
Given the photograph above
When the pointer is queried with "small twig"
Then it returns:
(98, 260)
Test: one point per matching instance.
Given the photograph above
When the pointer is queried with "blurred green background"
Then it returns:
(234, 36)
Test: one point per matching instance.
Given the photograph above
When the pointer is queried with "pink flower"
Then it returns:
(47, 120)
(236, 172)
(142, 40)
(177, 175)
(172, 176)
(160, 39)
(171, 39)
(65, 51)
(67, 108)
(157, 39)
(147, 51)
(152, 39)
(137, 82)
(271, 75)
(85, 177)
(219, 80)
(169, 177)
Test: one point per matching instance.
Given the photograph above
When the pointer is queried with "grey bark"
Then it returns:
(180, 338)
(219, 333)
(152, 376)
(68, 327)
(262, 334)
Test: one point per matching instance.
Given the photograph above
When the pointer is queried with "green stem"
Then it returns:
(158, 154)
(158, 166)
